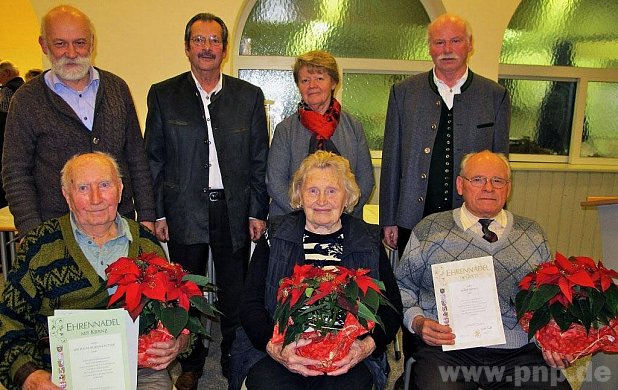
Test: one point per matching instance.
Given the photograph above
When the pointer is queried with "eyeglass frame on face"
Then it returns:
(200, 40)
(481, 181)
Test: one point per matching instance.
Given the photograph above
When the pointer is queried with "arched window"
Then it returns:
(376, 43)
(559, 62)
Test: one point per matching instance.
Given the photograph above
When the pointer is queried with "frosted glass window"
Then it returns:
(366, 97)
(385, 29)
(542, 116)
(278, 87)
(579, 33)
(600, 138)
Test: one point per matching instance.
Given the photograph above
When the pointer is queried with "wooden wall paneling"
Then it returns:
(565, 213)
(578, 225)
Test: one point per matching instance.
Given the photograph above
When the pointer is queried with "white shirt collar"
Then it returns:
(218, 87)
(468, 219)
(447, 92)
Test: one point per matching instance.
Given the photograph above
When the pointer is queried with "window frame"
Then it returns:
(581, 76)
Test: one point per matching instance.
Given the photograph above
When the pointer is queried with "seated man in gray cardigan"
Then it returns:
(481, 227)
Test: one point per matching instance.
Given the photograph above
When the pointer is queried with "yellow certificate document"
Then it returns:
(467, 301)
(91, 349)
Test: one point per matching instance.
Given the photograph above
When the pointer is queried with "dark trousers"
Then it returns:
(489, 368)
(230, 269)
(267, 374)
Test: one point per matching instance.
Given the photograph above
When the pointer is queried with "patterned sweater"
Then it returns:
(51, 273)
(440, 238)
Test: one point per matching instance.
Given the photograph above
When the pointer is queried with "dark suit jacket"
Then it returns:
(177, 146)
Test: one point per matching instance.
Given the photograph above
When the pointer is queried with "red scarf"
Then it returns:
(323, 126)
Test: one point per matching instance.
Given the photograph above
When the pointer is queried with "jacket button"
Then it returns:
(427, 150)
(204, 190)
(95, 140)
(438, 103)
(423, 176)
(420, 199)
(434, 126)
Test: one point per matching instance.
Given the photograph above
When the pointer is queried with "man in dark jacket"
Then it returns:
(207, 142)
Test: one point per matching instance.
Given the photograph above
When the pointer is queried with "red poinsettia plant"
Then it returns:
(570, 305)
(332, 306)
(160, 293)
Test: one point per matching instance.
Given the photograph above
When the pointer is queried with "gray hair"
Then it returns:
(501, 156)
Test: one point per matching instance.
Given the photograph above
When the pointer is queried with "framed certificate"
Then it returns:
(93, 349)
(467, 301)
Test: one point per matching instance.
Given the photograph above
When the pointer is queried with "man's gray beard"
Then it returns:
(74, 73)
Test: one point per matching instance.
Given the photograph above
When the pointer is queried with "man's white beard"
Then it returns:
(71, 73)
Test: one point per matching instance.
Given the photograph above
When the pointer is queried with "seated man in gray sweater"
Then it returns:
(481, 227)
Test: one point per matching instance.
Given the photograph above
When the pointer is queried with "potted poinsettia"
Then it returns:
(570, 305)
(332, 306)
(160, 293)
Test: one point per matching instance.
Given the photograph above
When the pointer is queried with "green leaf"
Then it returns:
(611, 300)
(540, 318)
(581, 310)
(597, 300)
(200, 280)
(364, 312)
(201, 304)
(542, 295)
(174, 319)
(561, 315)
(522, 300)
(195, 326)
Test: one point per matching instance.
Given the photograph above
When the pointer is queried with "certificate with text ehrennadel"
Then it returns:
(467, 301)
(90, 350)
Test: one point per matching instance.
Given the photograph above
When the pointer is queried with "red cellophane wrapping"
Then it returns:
(330, 347)
(575, 340)
(160, 333)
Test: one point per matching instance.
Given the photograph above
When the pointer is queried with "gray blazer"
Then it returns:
(482, 115)
(290, 146)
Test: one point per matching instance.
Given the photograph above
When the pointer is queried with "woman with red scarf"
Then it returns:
(319, 124)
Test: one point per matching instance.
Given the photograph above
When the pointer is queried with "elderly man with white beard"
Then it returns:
(74, 108)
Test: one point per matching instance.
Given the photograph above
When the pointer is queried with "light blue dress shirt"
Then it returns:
(82, 102)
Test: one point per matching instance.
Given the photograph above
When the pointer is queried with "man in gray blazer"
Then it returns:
(433, 120)
(207, 143)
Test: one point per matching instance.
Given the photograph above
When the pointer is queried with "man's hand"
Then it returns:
(161, 231)
(289, 359)
(432, 332)
(149, 224)
(165, 352)
(359, 351)
(257, 227)
(557, 360)
(391, 234)
(39, 380)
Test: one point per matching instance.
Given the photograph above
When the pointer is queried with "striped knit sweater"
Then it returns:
(440, 238)
(51, 273)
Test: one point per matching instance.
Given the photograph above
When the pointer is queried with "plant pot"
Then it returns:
(331, 347)
(575, 340)
(144, 341)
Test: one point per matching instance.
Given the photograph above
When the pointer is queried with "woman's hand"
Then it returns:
(164, 352)
(359, 351)
(289, 359)
(557, 360)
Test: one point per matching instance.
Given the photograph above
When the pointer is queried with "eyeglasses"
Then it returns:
(201, 41)
(480, 181)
